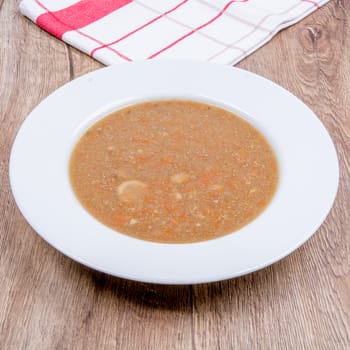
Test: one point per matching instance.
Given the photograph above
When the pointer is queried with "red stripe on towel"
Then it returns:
(76, 16)
(312, 2)
(139, 28)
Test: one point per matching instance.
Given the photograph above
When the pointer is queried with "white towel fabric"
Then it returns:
(114, 31)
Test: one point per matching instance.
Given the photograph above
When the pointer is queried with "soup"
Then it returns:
(173, 171)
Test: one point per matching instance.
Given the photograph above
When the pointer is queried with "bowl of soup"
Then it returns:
(173, 172)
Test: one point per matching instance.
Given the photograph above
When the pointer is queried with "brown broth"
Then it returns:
(173, 171)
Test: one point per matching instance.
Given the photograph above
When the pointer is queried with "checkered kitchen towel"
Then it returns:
(115, 31)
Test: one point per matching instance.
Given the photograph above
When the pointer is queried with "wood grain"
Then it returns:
(48, 301)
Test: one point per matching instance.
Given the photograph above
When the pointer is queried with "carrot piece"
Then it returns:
(262, 203)
(138, 139)
(213, 195)
(182, 216)
(168, 232)
(141, 159)
(243, 154)
(119, 219)
(166, 161)
(169, 207)
(209, 177)
(174, 222)
(179, 138)
(188, 190)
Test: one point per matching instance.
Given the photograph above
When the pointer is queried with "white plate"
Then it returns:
(306, 155)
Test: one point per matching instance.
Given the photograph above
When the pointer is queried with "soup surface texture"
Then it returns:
(173, 171)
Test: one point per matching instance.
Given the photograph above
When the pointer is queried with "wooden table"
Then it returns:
(47, 301)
